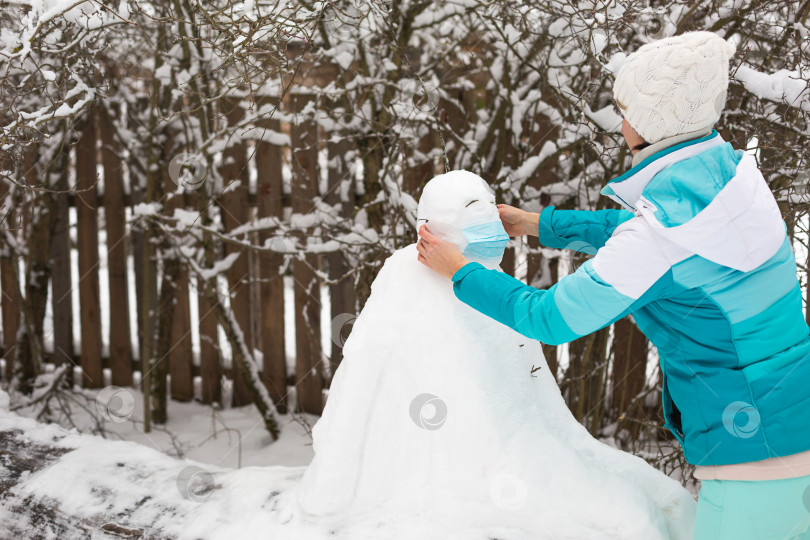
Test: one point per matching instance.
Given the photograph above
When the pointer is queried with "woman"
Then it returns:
(701, 258)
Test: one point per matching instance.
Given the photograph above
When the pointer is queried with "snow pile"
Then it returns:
(62, 485)
(443, 421)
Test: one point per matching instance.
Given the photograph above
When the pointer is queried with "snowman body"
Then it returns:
(443, 419)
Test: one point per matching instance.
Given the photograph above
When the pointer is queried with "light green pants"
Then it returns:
(753, 510)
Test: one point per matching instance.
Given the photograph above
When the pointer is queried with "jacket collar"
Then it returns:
(627, 188)
(666, 143)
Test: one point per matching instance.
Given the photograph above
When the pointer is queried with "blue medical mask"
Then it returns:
(485, 240)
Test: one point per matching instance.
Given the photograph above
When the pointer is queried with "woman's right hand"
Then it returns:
(518, 222)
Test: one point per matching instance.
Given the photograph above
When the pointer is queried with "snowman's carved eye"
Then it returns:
(469, 203)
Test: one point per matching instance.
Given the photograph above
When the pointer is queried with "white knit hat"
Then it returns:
(674, 85)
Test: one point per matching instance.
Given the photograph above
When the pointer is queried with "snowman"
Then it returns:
(443, 423)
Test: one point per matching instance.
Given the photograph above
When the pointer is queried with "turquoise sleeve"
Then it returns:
(581, 230)
(496, 294)
(580, 303)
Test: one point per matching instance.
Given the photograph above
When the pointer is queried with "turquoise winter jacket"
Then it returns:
(702, 260)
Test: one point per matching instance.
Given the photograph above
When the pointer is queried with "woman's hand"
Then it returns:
(438, 255)
(518, 222)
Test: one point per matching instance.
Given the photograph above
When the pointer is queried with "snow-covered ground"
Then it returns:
(63, 484)
(232, 438)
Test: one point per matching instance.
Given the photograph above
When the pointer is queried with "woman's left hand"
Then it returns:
(438, 255)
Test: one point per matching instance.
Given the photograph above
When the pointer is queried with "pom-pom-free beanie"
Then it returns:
(674, 85)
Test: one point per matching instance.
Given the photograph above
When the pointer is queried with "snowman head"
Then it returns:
(459, 207)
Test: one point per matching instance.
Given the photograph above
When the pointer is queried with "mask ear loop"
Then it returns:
(641, 146)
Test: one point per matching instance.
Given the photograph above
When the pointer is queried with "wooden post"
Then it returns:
(271, 287)
(235, 213)
(120, 341)
(87, 240)
(308, 359)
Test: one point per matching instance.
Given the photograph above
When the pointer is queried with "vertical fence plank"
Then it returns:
(308, 360)
(61, 277)
(341, 293)
(177, 351)
(9, 276)
(508, 261)
(137, 189)
(629, 370)
(585, 376)
(87, 240)
(180, 355)
(235, 213)
(210, 363)
(534, 263)
(210, 367)
(271, 289)
(38, 212)
(120, 341)
(137, 251)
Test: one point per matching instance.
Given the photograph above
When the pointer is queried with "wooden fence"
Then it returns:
(255, 283)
